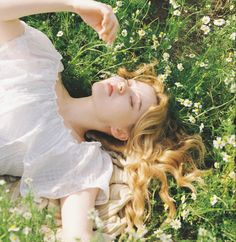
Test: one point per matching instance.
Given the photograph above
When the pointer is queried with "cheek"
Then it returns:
(121, 105)
(117, 106)
(123, 116)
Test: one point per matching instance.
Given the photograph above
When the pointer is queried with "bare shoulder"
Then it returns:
(10, 30)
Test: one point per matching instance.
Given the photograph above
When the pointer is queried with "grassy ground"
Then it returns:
(194, 42)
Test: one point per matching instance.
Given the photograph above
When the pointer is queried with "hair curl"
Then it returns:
(158, 145)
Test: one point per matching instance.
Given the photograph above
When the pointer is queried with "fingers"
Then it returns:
(112, 35)
(107, 25)
(109, 31)
(110, 26)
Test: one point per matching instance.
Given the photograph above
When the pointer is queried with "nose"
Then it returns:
(121, 87)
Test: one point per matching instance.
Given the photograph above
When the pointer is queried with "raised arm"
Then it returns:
(74, 215)
(97, 15)
(14, 9)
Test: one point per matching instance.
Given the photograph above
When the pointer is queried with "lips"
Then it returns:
(110, 89)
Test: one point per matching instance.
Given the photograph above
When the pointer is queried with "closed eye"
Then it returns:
(131, 102)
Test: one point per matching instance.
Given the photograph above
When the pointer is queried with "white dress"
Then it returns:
(34, 142)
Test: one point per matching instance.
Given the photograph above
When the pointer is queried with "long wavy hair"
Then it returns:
(157, 145)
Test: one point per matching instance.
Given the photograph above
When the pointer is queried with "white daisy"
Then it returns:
(131, 40)
(205, 29)
(232, 175)
(141, 33)
(174, 4)
(59, 34)
(162, 34)
(119, 3)
(115, 9)
(180, 67)
(93, 214)
(192, 55)
(167, 70)
(162, 77)
(166, 56)
(165, 237)
(176, 13)
(27, 215)
(185, 213)
(202, 232)
(175, 224)
(201, 127)
(225, 157)
(26, 230)
(137, 12)
(124, 33)
(218, 143)
(13, 228)
(219, 22)
(233, 88)
(205, 19)
(214, 200)
(178, 84)
(231, 140)
(228, 59)
(197, 105)
(203, 64)
(192, 119)
(158, 233)
(14, 238)
(187, 103)
(231, 7)
(2, 182)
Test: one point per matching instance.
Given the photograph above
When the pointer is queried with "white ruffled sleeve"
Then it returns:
(31, 54)
(55, 175)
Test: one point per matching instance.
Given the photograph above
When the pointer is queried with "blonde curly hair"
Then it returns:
(157, 145)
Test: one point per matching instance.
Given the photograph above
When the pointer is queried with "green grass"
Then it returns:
(207, 80)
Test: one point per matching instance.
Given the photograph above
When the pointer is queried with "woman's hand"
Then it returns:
(99, 16)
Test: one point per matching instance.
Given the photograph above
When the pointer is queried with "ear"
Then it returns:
(121, 134)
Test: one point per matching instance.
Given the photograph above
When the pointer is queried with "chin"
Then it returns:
(97, 95)
(99, 89)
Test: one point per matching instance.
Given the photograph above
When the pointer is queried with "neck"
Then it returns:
(79, 114)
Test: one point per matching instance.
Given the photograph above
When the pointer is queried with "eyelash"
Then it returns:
(131, 102)
(130, 96)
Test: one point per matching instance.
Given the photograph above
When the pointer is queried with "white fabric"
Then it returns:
(34, 142)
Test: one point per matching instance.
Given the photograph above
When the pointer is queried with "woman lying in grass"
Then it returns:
(43, 129)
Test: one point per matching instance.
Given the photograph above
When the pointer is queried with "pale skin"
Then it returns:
(124, 101)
